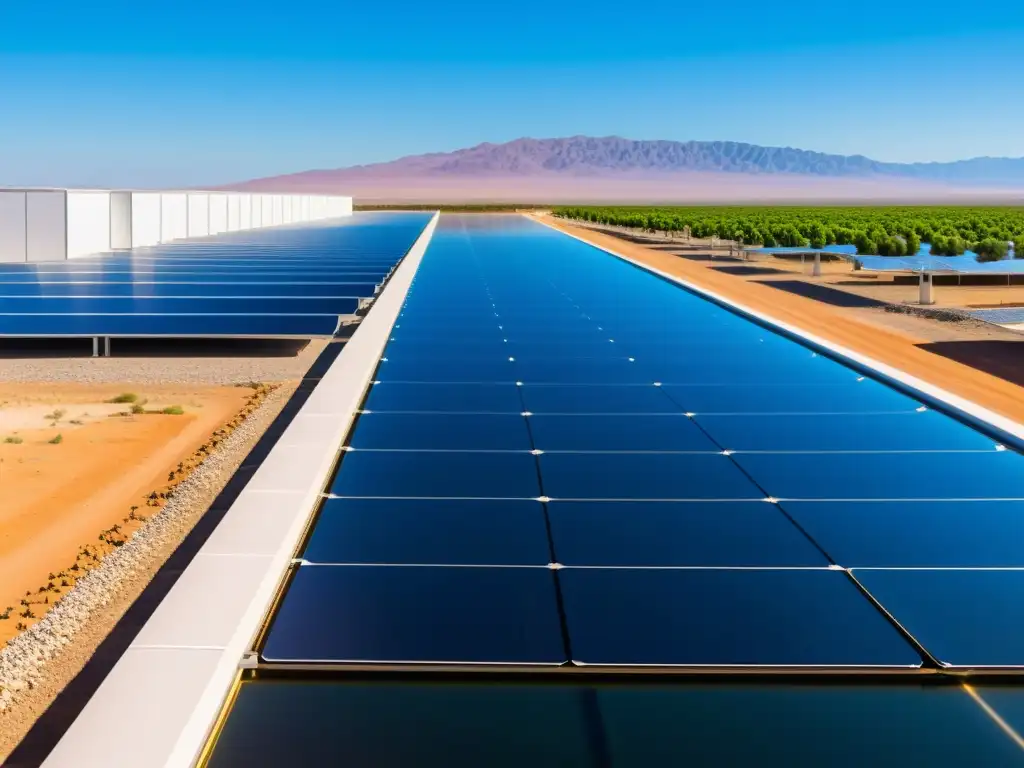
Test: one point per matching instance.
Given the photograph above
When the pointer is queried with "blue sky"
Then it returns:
(111, 92)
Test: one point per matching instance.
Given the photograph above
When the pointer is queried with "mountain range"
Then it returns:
(586, 169)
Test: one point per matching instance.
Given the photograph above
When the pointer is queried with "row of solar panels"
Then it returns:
(294, 282)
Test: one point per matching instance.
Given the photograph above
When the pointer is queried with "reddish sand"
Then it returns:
(56, 498)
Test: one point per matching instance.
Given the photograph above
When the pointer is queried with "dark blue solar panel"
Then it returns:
(662, 533)
(440, 474)
(888, 475)
(597, 398)
(453, 369)
(582, 371)
(746, 397)
(446, 398)
(241, 284)
(442, 431)
(193, 306)
(455, 725)
(168, 325)
(643, 476)
(438, 531)
(915, 534)
(700, 617)
(851, 726)
(418, 615)
(964, 618)
(618, 433)
(20, 282)
(698, 370)
(142, 289)
(912, 431)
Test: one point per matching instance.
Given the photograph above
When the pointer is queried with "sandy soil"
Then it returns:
(894, 343)
(220, 466)
(56, 498)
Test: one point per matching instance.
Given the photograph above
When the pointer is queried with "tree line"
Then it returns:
(884, 231)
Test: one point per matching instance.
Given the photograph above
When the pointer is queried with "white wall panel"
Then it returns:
(173, 216)
(145, 218)
(289, 209)
(234, 213)
(277, 209)
(304, 209)
(266, 210)
(12, 226)
(218, 213)
(245, 204)
(88, 223)
(45, 226)
(120, 220)
(319, 208)
(198, 214)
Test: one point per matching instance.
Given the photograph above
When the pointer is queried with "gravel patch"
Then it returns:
(287, 362)
(945, 315)
(36, 665)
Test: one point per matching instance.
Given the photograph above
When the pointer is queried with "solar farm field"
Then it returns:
(578, 476)
(271, 283)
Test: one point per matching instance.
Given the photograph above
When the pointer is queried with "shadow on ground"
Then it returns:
(741, 270)
(1002, 359)
(823, 294)
(52, 725)
(168, 348)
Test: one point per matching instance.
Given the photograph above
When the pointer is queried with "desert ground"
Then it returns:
(75, 463)
(977, 361)
(146, 443)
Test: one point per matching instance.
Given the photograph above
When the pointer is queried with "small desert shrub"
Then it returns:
(13, 440)
(138, 408)
(57, 440)
(76, 422)
(57, 415)
(173, 410)
(124, 397)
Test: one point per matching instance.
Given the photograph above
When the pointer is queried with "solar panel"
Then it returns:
(508, 725)
(561, 432)
(438, 531)
(911, 431)
(418, 615)
(724, 618)
(719, 534)
(444, 398)
(672, 484)
(438, 474)
(294, 281)
(990, 475)
(964, 618)
(442, 431)
(915, 534)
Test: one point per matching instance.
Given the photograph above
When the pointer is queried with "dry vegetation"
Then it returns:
(36, 603)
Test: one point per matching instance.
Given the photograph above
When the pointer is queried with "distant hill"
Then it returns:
(587, 165)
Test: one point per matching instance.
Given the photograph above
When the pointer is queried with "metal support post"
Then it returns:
(95, 346)
(106, 346)
(816, 270)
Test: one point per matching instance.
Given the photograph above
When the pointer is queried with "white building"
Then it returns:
(39, 225)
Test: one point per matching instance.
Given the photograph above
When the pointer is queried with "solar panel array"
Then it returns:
(963, 265)
(568, 464)
(288, 281)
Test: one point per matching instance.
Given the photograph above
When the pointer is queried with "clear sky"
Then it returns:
(119, 92)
